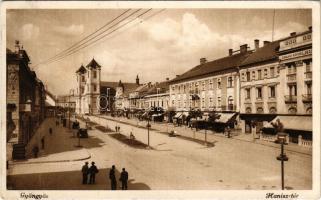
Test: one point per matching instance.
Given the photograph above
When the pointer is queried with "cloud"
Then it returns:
(29, 31)
(71, 30)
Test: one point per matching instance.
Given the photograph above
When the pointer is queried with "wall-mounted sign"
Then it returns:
(296, 54)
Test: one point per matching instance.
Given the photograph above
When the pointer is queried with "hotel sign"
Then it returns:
(296, 54)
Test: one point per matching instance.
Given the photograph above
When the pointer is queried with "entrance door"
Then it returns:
(259, 126)
(248, 127)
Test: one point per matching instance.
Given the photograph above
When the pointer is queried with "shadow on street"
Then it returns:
(68, 180)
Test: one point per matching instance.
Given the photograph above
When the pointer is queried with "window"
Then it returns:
(259, 74)
(265, 73)
(259, 93)
(184, 88)
(211, 84)
(179, 89)
(292, 90)
(173, 103)
(272, 91)
(88, 74)
(308, 66)
(219, 101)
(203, 85)
(309, 88)
(173, 88)
(219, 83)
(95, 88)
(248, 76)
(272, 72)
(83, 78)
(230, 82)
(184, 103)
(196, 88)
(248, 93)
(203, 102)
(211, 102)
(253, 75)
(95, 74)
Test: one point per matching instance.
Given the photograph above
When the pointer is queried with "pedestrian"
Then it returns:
(92, 173)
(35, 151)
(116, 128)
(50, 131)
(84, 171)
(112, 178)
(119, 129)
(124, 178)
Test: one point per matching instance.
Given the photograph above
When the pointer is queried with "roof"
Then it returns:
(128, 87)
(265, 53)
(81, 69)
(164, 87)
(93, 64)
(212, 67)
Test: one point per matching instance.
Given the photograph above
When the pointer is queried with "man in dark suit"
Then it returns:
(92, 172)
(124, 178)
(84, 171)
(112, 178)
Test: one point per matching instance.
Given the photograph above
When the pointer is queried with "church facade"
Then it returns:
(94, 96)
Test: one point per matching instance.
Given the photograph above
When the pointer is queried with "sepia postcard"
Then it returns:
(160, 100)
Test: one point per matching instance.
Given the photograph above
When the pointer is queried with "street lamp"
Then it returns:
(148, 126)
(281, 139)
(71, 90)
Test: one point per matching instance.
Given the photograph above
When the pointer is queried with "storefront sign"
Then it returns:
(296, 54)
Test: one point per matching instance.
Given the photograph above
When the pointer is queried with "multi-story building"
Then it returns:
(276, 81)
(210, 86)
(259, 86)
(25, 101)
(157, 96)
(126, 94)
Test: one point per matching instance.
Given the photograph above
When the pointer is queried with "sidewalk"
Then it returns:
(59, 147)
(211, 135)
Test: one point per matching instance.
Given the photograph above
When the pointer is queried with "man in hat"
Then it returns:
(84, 171)
(92, 172)
(112, 178)
(124, 178)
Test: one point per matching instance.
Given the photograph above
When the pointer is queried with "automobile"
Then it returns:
(82, 133)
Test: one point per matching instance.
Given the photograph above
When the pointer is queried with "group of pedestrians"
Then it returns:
(117, 129)
(89, 171)
(93, 170)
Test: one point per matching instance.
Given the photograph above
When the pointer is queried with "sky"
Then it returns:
(163, 46)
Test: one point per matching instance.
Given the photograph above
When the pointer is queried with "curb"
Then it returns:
(268, 145)
(51, 161)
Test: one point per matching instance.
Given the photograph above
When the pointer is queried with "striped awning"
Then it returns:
(225, 117)
(302, 123)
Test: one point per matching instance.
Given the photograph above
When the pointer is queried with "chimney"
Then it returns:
(256, 44)
(293, 34)
(266, 42)
(17, 46)
(310, 28)
(203, 61)
(167, 79)
(230, 52)
(243, 48)
(137, 80)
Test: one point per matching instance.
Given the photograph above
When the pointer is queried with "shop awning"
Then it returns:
(302, 123)
(225, 117)
(178, 115)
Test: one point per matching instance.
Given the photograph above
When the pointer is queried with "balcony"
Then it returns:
(291, 78)
(307, 98)
(290, 98)
(308, 76)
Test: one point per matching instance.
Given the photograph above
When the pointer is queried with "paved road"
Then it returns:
(174, 164)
